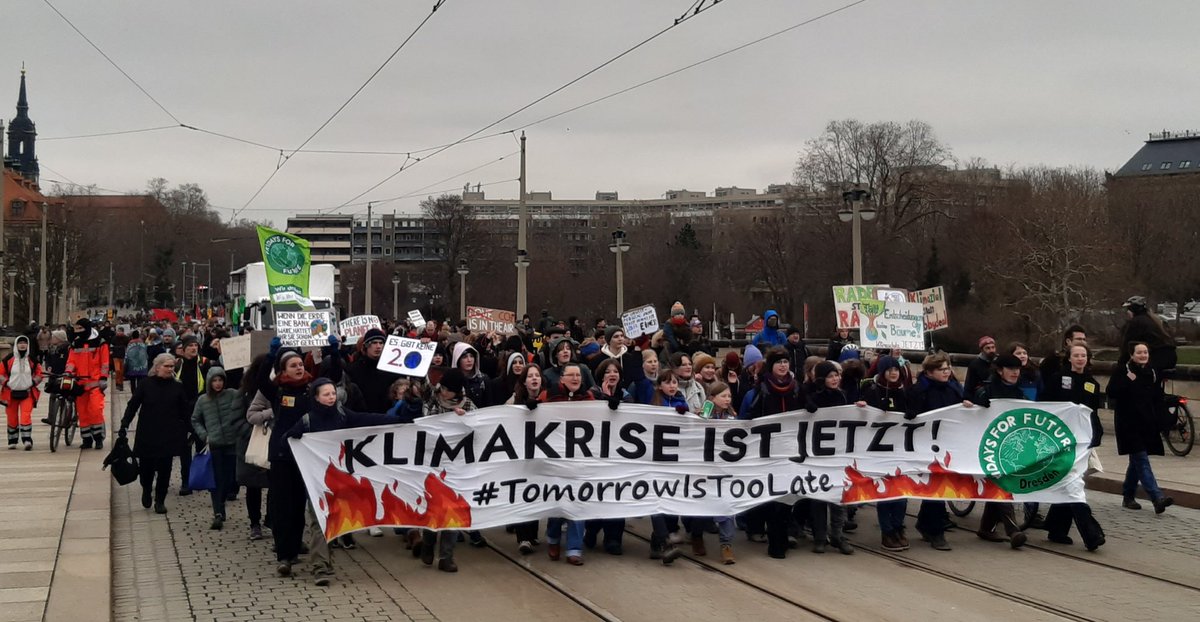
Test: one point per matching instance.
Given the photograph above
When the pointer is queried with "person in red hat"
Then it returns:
(980, 368)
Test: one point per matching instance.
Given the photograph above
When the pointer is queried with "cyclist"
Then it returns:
(88, 361)
(1142, 326)
(19, 378)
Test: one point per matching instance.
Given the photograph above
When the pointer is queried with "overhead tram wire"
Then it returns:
(333, 116)
(687, 67)
(694, 10)
(113, 133)
(440, 181)
(113, 63)
(412, 194)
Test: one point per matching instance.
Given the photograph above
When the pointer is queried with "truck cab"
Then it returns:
(250, 282)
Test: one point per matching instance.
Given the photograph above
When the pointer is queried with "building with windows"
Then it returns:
(1165, 154)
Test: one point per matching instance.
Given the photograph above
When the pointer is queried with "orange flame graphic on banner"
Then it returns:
(943, 484)
(351, 504)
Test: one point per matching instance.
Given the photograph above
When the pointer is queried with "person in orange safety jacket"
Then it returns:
(88, 360)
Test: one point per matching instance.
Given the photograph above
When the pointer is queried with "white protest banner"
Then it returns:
(892, 324)
(892, 294)
(503, 465)
(416, 319)
(845, 303)
(483, 319)
(353, 328)
(409, 357)
(639, 321)
(934, 301)
(303, 328)
(236, 352)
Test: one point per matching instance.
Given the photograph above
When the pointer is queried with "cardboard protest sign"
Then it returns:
(416, 319)
(892, 294)
(845, 303)
(581, 460)
(409, 357)
(640, 321)
(353, 328)
(892, 324)
(934, 302)
(236, 352)
(483, 319)
(303, 328)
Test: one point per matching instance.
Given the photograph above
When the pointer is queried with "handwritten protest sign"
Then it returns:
(934, 302)
(500, 465)
(416, 319)
(892, 294)
(845, 303)
(892, 324)
(353, 328)
(640, 321)
(303, 328)
(236, 352)
(409, 357)
(483, 319)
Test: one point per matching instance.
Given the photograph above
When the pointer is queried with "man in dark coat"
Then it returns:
(364, 372)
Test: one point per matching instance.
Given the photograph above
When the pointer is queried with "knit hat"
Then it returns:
(732, 360)
(372, 336)
(168, 332)
(752, 356)
(701, 359)
(612, 330)
(824, 368)
(849, 351)
(189, 340)
(774, 355)
(678, 315)
(283, 359)
(985, 340)
(1008, 361)
(316, 385)
(452, 381)
(589, 347)
(885, 363)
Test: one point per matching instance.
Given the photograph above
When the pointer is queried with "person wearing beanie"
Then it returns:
(980, 367)
(796, 349)
(88, 360)
(730, 372)
(1003, 385)
(288, 396)
(165, 343)
(219, 420)
(448, 397)
(326, 414)
(705, 367)
(828, 520)
(849, 352)
(363, 371)
(772, 334)
(887, 393)
(778, 391)
(589, 352)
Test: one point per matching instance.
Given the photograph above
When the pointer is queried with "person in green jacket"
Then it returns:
(219, 420)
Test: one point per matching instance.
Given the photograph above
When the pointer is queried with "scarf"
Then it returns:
(288, 381)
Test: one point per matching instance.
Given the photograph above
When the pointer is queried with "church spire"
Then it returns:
(22, 134)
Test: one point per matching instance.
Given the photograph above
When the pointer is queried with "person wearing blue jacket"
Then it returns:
(771, 335)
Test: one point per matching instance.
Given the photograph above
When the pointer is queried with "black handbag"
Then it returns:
(18, 394)
(123, 462)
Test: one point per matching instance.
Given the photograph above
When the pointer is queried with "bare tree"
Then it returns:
(459, 235)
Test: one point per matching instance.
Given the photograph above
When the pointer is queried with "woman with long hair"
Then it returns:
(1135, 394)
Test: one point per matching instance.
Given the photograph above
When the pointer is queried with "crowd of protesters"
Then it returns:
(184, 400)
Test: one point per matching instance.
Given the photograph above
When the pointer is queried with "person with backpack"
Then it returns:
(20, 378)
(137, 360)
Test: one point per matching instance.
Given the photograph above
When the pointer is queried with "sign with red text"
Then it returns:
(353, 328)
(483, 319)
(934, 302)
(845, 303)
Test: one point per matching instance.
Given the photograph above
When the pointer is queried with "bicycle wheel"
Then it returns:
(961, 508)
(1182, 436)
(55, 427)
(70, 423)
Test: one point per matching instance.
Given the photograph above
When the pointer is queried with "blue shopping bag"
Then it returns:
(201, 475)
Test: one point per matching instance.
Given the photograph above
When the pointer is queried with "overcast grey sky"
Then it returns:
(1062, 83)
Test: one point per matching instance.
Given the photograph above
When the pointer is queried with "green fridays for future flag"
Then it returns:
(287, 261)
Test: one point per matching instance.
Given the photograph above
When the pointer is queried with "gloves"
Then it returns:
(296, 432)
(103, 385)
(910, 416)
(614, 402)
(273, 351)
(810, 407)
(681, 409)
(531, 405)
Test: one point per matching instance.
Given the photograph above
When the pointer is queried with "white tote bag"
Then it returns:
(258, 450)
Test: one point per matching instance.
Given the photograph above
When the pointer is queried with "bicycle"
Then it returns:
(1181, 435)
(64, 421)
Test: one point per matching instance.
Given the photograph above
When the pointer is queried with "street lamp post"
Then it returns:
(855, 211)
(42, 313)
(463, 271)
(32, 293)
(522, 264)
(12, 277)
(350, 301)
(619, 246)
(396, 297)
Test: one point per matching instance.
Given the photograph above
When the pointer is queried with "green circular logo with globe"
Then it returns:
(1026, 450)
(283, 256)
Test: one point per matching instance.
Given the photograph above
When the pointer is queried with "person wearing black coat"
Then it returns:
(1075, 384)
(980, 367)
(364, 372)
(779, 392)
(936, 388)
(162, 429)
(886, 392)
(1003, 385)
(1136, 395)
(828, 520)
